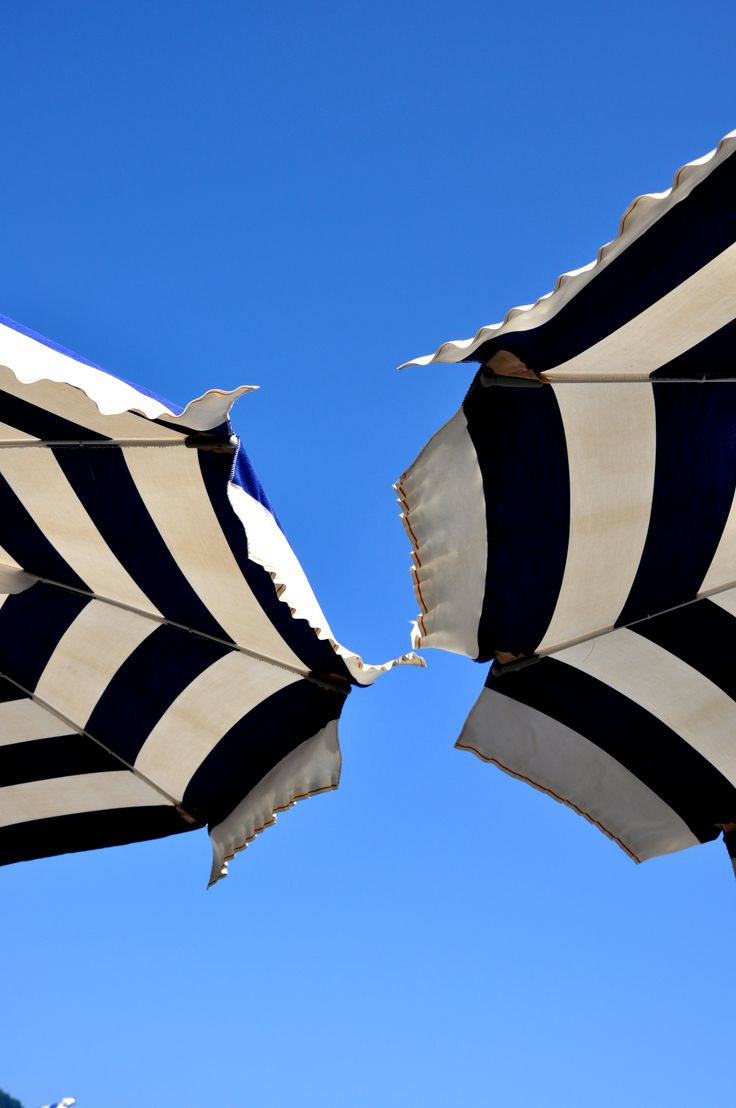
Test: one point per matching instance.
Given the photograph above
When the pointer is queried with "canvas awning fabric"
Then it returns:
(659, 301)
(543, 516)
(635, 730)
(164, 664)
(586, 486)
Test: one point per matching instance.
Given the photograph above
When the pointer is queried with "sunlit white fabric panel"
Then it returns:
(440, 497)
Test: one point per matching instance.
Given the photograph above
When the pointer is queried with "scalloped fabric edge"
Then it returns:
(643, 211)
(312, 767)
(31, 361)
(269, 548)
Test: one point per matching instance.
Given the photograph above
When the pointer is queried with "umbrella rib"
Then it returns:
(529, 379)
(498, 669)
(620, 379)
(52, 444)
(334, 684)
(193, 440)
(86, 734)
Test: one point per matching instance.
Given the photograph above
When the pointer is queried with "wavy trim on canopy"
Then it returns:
(638, 217)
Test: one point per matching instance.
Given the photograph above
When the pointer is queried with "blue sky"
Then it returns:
(302, 196)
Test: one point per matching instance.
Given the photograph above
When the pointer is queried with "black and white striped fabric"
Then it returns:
(659, 301)
(543, 516)
(635, 730)
(164, 664)
(587, 484)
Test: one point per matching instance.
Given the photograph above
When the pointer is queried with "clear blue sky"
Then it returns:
(303, 196)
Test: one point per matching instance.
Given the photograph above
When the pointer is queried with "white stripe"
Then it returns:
(57, 510)
(88, 655)
(73, 404)
(174, 493)
(610, 434)
(558, 760)
(269, 547)
(446, 513)
(683, 317)
(311, 767)
(674, 692)
(722, 569)
(726, 600)
(6, 560)
(14, 580)
(640, 215)
(199, 717)
(12, 434)
(23, 721)
(32, 361)
(67, 796)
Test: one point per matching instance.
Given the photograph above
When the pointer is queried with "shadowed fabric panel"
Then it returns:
(648, 748)
(256, 743)
(589, 776)
(611, 445)
(89, 831)
(694, 483)
(519, 439)
(442, 502)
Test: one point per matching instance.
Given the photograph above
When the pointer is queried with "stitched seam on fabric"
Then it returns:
(269, 823)
(553, 794)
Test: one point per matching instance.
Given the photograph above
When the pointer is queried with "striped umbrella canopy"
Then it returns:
(164, 664)
(575, 522)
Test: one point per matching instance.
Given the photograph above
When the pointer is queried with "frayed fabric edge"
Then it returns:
(312, 767)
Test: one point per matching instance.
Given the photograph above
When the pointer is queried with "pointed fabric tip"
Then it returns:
(311, 768)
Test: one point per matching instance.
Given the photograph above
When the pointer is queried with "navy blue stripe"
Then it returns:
(256, 744)
(62, 756)
(146, 685)
(712, 358)
(105, 486)
(703, 635)
(694, 485)
(658, 756)
(519, 439)
(316, 655)
(40, 423)
(682, 241)
(45, 838)
(31, 626)
(24, 540)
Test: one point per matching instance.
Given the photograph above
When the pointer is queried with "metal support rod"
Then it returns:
(498, 669)
(219, 444)
(332, 682)
(198, 820)
(488, 378)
